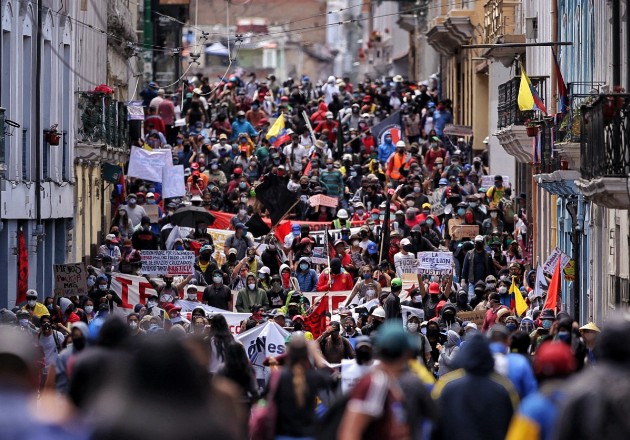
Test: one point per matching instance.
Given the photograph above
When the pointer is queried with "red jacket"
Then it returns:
(341, 282)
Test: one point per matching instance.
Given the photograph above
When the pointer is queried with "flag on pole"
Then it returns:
(528, 98)
(22, 268)
(277, 128)
(519, 301)
(563, 94)
(272, 192)
(554, 287)
(541, 282)
(315, 322)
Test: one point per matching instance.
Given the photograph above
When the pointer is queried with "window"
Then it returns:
(27, 107)
(46, 104)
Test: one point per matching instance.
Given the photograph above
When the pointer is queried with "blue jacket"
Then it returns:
(519, 371)
(385, 150)
(307, 280)
(242, 127)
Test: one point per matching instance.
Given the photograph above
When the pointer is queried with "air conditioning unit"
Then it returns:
(531, 28)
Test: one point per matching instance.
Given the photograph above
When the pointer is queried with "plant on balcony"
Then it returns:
(612, 105)
(531, 127)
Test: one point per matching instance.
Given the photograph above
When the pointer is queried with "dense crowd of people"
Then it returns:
(392, 362)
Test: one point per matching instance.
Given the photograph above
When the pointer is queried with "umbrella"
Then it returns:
(189, 216)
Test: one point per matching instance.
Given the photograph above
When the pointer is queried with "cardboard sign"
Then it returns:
(464, 231)
(435, 263)
(476, 316)
(458, 130)
(452, 223)
(319, 255)
(552, 261)
(167, 262)
(153, 212)
(71, 279)
(405, 265)
(322, 200)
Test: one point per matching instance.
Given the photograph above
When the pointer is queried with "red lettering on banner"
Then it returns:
(235, 329)
(124, 291)
(336, 300)
(142, 289)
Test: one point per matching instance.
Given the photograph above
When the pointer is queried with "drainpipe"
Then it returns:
(616, 43)
(38, 120)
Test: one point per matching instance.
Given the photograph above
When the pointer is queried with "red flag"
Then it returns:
(563, 94)
(282, 230)
(554, 288)
(22, 284)
(315, 322)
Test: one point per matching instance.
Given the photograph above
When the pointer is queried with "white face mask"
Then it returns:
(192, 296)
(417, 299)
(493, 214)
(133, 325)
(32, 302)
(89, 309)
(102, 286)
(412, 327)
(151, 304)
(251, 286)
(503, 290)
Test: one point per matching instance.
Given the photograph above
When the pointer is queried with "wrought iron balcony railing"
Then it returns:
(549, 158)
(103, 120)
(507, 108)
(605, 143)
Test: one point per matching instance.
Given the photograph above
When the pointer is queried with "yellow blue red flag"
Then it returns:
(528, 98)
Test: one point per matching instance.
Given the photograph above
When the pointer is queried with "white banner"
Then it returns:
(148, 165)
(167, 262)
(435, 263)
(173, 182)
(261, 342)
(552, 261)
(488, 181)
(408, 312)
(233, 319)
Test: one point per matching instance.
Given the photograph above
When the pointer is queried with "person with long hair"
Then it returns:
(220, 337)
(296, 393)
(123, 222)
(236, 367)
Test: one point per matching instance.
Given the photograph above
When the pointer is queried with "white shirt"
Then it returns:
(299, 153)
(405, 264)
(49, 347)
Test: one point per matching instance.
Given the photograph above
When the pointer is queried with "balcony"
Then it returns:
(103, 127)
(605, 151)
(501, 24)
(448, 32)
(512, 133)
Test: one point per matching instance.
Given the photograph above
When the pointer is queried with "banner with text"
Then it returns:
(148, 165)
(435, 263)
(261, 342)
(552, 261)
(167, 262)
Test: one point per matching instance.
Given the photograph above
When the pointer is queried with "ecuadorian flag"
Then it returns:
(277, 129)
(528, 98)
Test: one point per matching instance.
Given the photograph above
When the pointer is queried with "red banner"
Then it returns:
(22, 284)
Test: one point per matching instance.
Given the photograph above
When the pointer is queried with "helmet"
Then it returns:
(342, 214)
(443, 181)
(205, 248)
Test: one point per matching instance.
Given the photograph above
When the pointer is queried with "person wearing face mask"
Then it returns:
(331, 180)
(33, 307)
(405, 261)
(436, 150)
(386, 149)
(334, 279)
(360, 214)
(494, 301)
(251, 295)
(111, 249)
(477, 265)
(503, 287)
(276, 294)
(103, 294)
(134, 212)
(216, 176)
(133, 322)
(366, 289)
(242, 126)
(88, 313)
(152, 302)
(205, 264)
(217, 294)
(168, 292)
(305, 275)
(192, 294)
(455, 166)
(143, 239)
(479, 214)
(50, 340)
(492, 225)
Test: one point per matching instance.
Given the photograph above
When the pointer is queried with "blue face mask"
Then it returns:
(461, 212)
(375, 216)
(179, 248)
(242, 185)
(367, 276)
(564, 336)
(417, 189)
(511, 327)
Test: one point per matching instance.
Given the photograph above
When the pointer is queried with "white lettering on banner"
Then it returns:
(148, 165)
(335, 234)
(435, 263)
(261, 342)
(173, 182)
(71, 279)
(552, 261)
(167, 262)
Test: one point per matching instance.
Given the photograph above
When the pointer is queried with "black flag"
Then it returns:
(257, 226)
(275, 197)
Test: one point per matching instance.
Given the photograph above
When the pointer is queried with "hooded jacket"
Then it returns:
(455, 324)
(62, 380)
(449, 353)
(247, 298)
(483, 401)
(386, 149)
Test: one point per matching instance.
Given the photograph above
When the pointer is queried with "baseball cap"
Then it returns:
(434, 288)
(396, 282)
(405, 242)
(392, 341)
(479, 238)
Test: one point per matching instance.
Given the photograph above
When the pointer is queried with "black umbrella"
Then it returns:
(189, 216)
